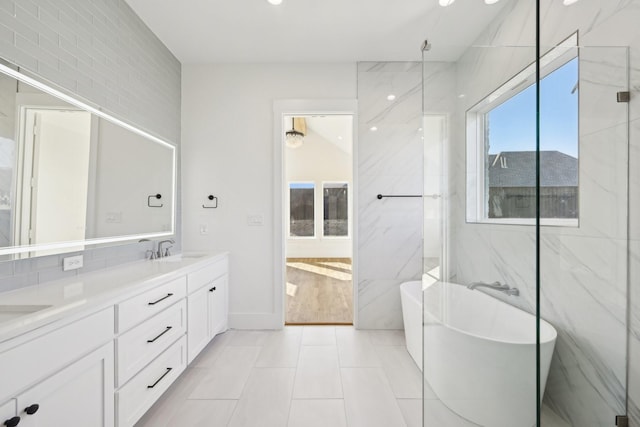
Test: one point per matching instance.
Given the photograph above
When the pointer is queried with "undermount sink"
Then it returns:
(8, 312)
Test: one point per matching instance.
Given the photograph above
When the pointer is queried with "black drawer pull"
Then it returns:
(161, 334)
(12, 422)
(212, 289)
(32, 409)
(161, 299)
(160, 379)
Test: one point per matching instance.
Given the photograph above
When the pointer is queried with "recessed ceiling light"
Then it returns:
(419, 129)
(462, 95)
(373, 128)
(569, 2)
(445, 3)
(391, 97)
(491, 1)
(339, 138)
(275, 2)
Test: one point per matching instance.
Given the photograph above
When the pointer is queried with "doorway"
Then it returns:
(55, 146)
(318, 218)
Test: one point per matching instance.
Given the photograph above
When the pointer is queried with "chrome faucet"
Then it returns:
(497, 286)
(161, 254)
(151, 253)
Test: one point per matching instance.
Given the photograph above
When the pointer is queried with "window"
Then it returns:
(301, 209)
(501, 146)
(336, 209)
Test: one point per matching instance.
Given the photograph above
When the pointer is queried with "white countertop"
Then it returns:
(90, 291)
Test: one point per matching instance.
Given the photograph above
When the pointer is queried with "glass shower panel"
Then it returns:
(480, 200)
(584, 167)
(479, 282)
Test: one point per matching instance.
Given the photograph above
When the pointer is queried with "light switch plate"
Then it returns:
(72, 263)
(255, 220)
(114, 217)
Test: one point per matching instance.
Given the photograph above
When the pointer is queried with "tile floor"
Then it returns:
(311, 376)
(298, 377)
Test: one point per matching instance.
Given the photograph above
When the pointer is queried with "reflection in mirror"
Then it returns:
(72, 176)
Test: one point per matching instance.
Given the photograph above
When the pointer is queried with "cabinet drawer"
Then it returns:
(137, 396)
(139, 346)
(206, 275)
(33, 360)
(141, 307)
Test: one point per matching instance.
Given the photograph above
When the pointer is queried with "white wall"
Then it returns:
(227, 151)
(318, 161)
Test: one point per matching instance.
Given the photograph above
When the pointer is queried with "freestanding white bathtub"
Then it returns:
(480, 353)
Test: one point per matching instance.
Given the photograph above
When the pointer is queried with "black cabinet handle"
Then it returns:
(32, 409)
(212, 289)
(161, 299)
(160, 379)
(12, 422)
(161, 334)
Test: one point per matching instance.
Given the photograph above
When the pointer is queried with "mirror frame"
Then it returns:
(12, 250)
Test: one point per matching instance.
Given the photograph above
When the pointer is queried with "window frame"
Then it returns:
(476, 209)
(315, 223)
(348, 235)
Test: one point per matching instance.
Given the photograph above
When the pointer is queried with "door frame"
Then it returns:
(307, 107)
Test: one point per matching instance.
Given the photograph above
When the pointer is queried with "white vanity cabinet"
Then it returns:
(79, 395)
(207, 305)
(139, 394)
(60, 376)
(218, 296)
(150, 348)
(106, 364)
(140, 345)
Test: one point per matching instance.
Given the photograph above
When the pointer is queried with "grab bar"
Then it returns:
(432, 196)
(380, 196)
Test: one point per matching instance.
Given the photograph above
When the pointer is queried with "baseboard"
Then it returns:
(255, 321)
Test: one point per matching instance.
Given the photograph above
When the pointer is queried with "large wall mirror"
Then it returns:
(72, 176)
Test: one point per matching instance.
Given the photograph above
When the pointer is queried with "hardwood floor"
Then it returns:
(319, 291)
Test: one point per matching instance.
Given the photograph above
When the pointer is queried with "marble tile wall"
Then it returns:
(586, 291)
(389, 162)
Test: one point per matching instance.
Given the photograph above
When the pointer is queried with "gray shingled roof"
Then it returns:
(518, 169)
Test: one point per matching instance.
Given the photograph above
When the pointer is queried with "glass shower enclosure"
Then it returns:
(526, 232)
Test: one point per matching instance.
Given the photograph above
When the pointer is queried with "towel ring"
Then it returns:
(157, 196)
(214, 199)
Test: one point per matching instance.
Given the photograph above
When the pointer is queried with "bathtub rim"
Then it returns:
(548, 333)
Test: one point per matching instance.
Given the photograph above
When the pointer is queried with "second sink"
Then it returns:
(8, 312)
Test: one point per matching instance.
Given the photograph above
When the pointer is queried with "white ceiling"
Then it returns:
(210, 31)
